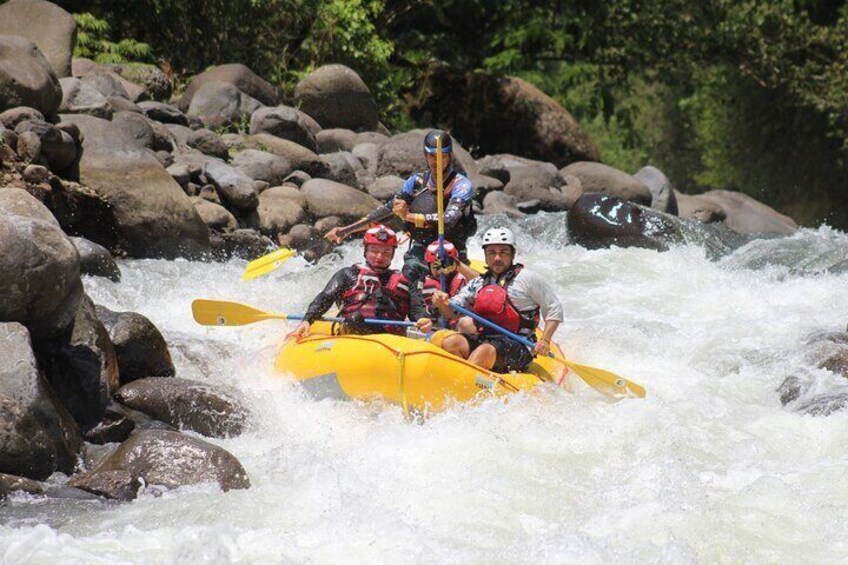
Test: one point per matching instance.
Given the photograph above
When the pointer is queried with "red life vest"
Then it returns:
(372, 298)
(492, 302)
(432, 284)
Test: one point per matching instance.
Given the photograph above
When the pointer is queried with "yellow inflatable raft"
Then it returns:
(412, 373)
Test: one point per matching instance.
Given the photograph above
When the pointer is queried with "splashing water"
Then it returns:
(708, 468)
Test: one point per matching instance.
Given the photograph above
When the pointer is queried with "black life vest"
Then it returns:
(493, 303)
(425, 201)
(378, 295)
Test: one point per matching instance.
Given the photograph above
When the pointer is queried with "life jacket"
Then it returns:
(377, 295)
(493, 303)
(432, 284)
(425, 201)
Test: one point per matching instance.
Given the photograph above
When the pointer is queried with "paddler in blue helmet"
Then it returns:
(509, 295)
(416, 205)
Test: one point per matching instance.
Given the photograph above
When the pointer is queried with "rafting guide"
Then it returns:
(416, 205)
(508, 295)
(372, 290)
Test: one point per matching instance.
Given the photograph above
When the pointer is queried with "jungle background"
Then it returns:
(747, 95)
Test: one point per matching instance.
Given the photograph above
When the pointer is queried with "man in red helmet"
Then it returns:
(372, 290)
(422, 303)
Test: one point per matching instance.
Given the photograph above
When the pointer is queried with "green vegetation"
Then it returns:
(750, 95)
(93, 43)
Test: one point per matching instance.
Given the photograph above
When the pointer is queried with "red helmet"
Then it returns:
(433, 251)
(381, 235)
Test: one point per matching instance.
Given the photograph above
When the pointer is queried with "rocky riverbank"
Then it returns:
(99, 161)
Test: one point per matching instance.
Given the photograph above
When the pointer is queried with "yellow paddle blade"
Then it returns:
(477, 265)
(223, 313)
(267, 263)
(604, 381)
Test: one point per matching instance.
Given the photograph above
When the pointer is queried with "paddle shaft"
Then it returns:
(440, 204)
(520, 339)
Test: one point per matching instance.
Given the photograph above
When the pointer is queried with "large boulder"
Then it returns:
(221, 104)
(163, 458)
(501, 114)
(337, 98)
(37, 434)
(501, 203)
(746, 215)
(538, 182)
(26, 78)
(597, 177)
(143, 81)
(47, 25)
(329, 198)
(695, 207)
(261, 165)
(81, 98)
(139, 346)
(239, 76)
(187, 405)
(281, 208)
(40, 284)
(56, 149)
(215, 216)
(81, 366)
(598, 221)
(154, 216)
(284, 122)
(662, 191)
(234, 187)
(300, 157)
(95, 260)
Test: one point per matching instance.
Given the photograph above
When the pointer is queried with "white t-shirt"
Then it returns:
(527, 291)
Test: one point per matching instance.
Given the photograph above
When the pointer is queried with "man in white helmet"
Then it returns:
(508, 295)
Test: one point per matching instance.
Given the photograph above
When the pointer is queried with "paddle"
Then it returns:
(440, 210)
(223, 313)
(267, 263)
(598, 379)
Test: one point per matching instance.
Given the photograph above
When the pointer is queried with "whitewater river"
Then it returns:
(709, 468)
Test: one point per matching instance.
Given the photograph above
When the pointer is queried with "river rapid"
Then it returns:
(709, 468)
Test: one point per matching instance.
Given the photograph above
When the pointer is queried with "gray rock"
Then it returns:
(221, 104)
(47, 25)
(403, 155)
(538, 182)
(824, 405)
(180, 173)
(280, 208)
(501, 203)
(337, 98)
(328, 198)
(153, 215)
(80, 98)
(385, 187)
(37, 435)
(597, 177)
(261, 165)
(300, 157)
(106, 83)
(208, 143)
(597, 221)
(40, 283)
(35, 174)
(95, 260)
(342, 167)
(239, 76)
(58, 149)
(11, 118)
(215, 216)
(234, 188)
(283, 122)
(140, 347)
(164, 113)
(694, 207)
(746, 215)
(662, 191)
(167, 459)
(187, 405)
(81, 366)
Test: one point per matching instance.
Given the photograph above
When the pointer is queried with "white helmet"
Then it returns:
(501, 236)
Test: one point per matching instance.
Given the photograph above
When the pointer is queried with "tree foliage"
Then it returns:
(719, 93)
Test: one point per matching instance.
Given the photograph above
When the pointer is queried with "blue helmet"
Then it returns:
(431, 142)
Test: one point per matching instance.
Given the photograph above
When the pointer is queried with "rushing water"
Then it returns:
(710, 467)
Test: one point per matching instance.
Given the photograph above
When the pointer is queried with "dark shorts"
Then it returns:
(511, 355)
